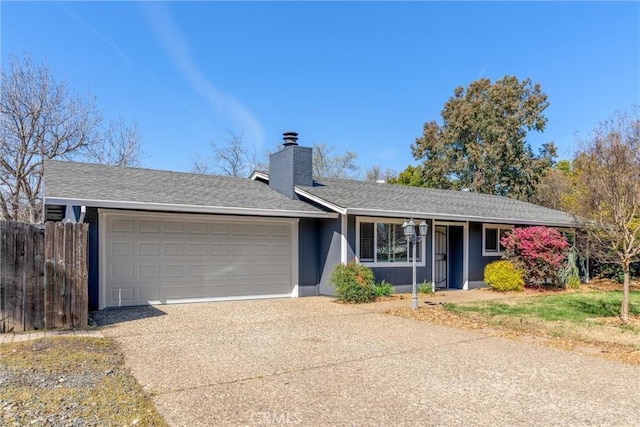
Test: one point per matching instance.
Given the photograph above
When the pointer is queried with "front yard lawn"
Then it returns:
(573, 307)
(585, 320)
(70, 381)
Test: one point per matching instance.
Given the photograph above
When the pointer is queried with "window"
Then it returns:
(382, 241)
(491, 236)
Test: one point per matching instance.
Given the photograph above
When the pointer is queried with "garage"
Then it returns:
(160, 258)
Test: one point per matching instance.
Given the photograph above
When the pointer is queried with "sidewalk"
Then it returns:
(32, 335)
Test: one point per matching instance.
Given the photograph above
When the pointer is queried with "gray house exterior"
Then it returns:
(159, 237)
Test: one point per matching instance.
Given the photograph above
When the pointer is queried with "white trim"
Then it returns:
(360, 219)
(343, 239)
(102, 259)
(103, 215)
(465, 243)
(465, 238)
(215, 299)
(168, 207)
(320, 201)
(498, 253)
(299, 191)
(259, 175)
(294, 258)
(447, 217)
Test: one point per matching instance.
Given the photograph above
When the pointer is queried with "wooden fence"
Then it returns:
(43, 276)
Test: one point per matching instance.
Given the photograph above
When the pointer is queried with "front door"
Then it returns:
(440, 257)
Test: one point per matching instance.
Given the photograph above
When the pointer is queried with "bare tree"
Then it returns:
(121, 145)
(40, 119)
(608, 194)
(375, 174)
(555, 187)
(229, 157)
(328, 165)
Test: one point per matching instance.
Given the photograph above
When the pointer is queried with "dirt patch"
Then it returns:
(615, 321)
(608, 341)
(609, 285)
(70, 381)
(606, 337)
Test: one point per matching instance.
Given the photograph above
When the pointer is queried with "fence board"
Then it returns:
(81, 291)
(43, 276)
(12, 284)
(49, 273)
(59, 293)
(67, 272)
(38, 280)
(6, 255)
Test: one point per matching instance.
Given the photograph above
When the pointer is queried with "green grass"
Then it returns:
(572, 307)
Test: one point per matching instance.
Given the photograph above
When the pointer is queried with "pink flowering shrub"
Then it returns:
(538, 251)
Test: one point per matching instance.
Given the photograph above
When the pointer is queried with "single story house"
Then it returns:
(159, 237)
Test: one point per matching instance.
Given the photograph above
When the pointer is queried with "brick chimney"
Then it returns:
(290, 166)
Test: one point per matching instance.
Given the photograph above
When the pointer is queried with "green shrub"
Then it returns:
(503, 276)
(425, 287)
(573, 282)
(354, 282)
(614, 271)
(383, 289)
(569, 274)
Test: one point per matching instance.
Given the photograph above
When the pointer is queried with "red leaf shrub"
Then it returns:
(538, 251)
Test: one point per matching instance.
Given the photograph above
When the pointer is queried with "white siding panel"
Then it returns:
(164, 258)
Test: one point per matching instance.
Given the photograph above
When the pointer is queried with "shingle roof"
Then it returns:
(399, 200)
(100, 183)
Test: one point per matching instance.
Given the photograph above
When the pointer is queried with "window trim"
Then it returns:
(375, 263)
(485, 226)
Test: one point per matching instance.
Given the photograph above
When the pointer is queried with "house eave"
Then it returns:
(320, 201)
(416, 214)
(446, 217)
(259, 175)
(115, 204)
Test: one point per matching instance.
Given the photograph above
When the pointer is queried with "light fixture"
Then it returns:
(409, 229)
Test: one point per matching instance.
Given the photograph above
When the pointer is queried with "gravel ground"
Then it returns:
(70, 381)
(310, 361)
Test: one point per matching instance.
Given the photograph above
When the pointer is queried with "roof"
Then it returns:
(89, 184)
(375, 199)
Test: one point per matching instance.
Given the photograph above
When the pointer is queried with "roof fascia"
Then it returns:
(440, 216)
(320, 201)
(259, 175)
(187, 208)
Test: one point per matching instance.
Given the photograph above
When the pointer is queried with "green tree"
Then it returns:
(412, 176)
(481, 144)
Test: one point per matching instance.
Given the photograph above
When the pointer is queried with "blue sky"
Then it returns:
(363, 76)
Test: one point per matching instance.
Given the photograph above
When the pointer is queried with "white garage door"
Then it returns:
(164, 258)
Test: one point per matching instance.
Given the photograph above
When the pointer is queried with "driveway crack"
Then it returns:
(322, 366)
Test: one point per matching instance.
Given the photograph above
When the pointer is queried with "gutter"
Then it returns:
(187, 208)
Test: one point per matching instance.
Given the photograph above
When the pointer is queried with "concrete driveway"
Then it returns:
(310, 361)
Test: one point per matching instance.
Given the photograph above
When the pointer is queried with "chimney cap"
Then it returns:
(290, 138)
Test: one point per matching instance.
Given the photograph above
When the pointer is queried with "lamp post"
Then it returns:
(414, 237)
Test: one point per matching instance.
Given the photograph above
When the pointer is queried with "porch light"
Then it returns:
(423, 228)
(409, 229)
